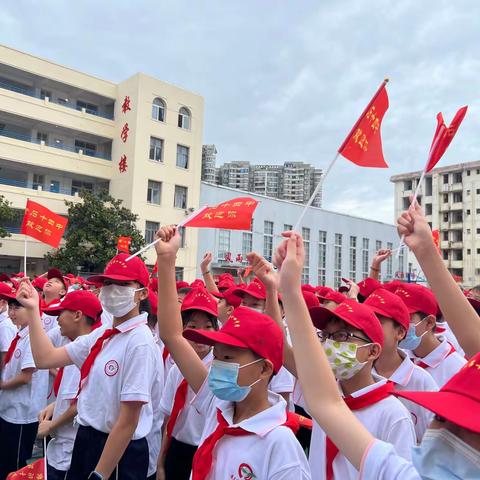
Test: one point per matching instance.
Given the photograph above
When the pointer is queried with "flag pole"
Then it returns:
(25, 256)
(315, 192)
(45, 457)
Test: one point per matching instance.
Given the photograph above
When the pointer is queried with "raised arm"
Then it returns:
(378, 259)
(44, 353)
(456, 309)
(207, 274)
(318, 384)
(169, 317)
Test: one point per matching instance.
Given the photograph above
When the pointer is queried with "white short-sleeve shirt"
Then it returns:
(7, 332)
(49, 322)
(123, 371)
(21, 405)
(272, 452)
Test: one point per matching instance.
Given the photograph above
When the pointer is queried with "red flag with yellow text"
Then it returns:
(235, 214)
(42, 224)
(123, 244)
(363, 145)
(35, 470)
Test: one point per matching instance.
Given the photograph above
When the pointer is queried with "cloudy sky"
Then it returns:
(284, 79)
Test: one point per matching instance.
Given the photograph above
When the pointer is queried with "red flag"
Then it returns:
(44, 225)
(235, 214)
(123, 244)
(436, 238)
(35, 470)
(443, 136)
(363, 145)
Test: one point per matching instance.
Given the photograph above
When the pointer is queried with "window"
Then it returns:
(390, 261)
(478, 191)
(87, 148)
(45, 94)
(407, 185)
(469, 252)
(478, 231)
(353, 259)
(42, 137)
(401, 261)
(178, 274)
(445, 198)
(445, 236)
(306, 263)
(180, 200)
(322, 257)
(457, 197)
(287, 227)
(223, 244)
(468, 231)
(468, 193)
(38, 181)
(468, 212)
(154, 192)
(183, 233)
(156, 149)
(428, 186)
(445, 178)
(182, 156)
(457, 177)
(150, 231)
(78, 186)
(378, 246)
(337, 272)
(406, 203)
(55, 186)
(89, 107)
(184, 118)
(247, 240)
(445, 217)
(468, 173)
(428, 209)
(158, 109)
(365, 257)
(268, 240)
(478, 210)
(445, 254)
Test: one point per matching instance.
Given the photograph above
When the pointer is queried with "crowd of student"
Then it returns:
(131, 377)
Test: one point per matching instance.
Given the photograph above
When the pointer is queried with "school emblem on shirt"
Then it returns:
(111, 368)
(47, 321)
(245, 471)
(17, 353)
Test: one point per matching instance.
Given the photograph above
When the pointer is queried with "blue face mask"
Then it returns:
(442, 455)
(223, 381)
(412, 340)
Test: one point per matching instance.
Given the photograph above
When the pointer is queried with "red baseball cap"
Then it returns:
(39, 282)
(197, 283)
(389, 305)
(458, 400)
(322, 290)
(333, 296)
(230, 296)
(180, 284)
(255, 289)
(82, 300)
(475, 304)
(200, 299)
(356, 314)
(56, 273)
(225, 284)
(310, 299)
(7, 293)
(307, 288)
(119, 269)
(368, 285)
(417, 298)
(153, 299)
(246, 328)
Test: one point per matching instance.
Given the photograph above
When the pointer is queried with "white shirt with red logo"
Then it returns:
(7, 332)
(123, 371)
(21, 405)
(409, 376)
(273, 453)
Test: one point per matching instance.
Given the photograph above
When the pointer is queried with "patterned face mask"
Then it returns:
(342, 357)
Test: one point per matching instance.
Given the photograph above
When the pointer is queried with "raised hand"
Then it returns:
(353, 288)
(170, 241)
(27, 295)
(417, 231)
(380, 257)
(205, 264)
(289, 259)
(263, 270)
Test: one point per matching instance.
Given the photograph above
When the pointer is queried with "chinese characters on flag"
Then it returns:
(123, 244)
(363, 145)
(42, 224)
(235, 214)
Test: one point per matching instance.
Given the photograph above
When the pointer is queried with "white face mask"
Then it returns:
(118, 299)
(442, 455)
(342, 357)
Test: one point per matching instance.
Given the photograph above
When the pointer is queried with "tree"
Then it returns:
(94, 226)
(7, 215)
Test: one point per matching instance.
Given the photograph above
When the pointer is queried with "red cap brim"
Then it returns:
(8, 296)
(321, 316)
(241, 292)
(449, 405)
(206, 337)
(118, 278)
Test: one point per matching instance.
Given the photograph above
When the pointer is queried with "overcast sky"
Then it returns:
(284, 80)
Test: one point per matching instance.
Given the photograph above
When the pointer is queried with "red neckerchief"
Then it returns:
(424, 365)
(11, 349)
(357, 403)
(178, 404)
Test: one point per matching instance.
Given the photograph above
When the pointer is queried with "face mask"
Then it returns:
(117, 299)
(442, 455)
(222, 381)
(342, 357)
(411, 340)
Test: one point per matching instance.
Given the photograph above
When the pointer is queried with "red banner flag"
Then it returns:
(363, 145)
(35, 470)
(235, 214)
(436, 239)
(42, 224)
(123, 244)
(443, 136)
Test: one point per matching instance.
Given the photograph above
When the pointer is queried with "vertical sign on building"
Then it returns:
(126, 107)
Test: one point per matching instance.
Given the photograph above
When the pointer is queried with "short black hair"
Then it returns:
(184, 290)
(90, 320)
(12, 301)
(186, 316)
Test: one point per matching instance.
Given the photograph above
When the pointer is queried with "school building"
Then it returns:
(62, 130)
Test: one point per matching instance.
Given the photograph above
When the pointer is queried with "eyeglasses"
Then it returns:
(339, 336)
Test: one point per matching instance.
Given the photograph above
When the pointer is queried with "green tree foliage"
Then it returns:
(94, 226)
(7, 215)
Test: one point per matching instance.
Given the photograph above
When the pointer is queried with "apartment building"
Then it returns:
(450, 197)
(62, 130)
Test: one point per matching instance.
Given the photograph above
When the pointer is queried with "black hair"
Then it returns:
(184, 290)
(187, 315)
(90, 320)
(12, 301)
(146, 306)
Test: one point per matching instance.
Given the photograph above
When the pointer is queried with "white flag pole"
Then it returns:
(45, 457)
(25, 256)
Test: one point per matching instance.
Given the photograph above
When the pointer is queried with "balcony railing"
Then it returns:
(12, 229)
(60, 146)
(36, 186)
(32, 93)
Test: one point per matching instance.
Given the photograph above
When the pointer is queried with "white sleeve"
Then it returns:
(290, 473)
(282, 382)
(402, 436)
(55, 337)
(79, 349)
(169, 390)
(137, 377)
(70, 382)
(204, 400)
(381, 462)
(27, 358)
(6, 337)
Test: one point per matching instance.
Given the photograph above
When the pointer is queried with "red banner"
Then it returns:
(42, 224)
(35, 470)
(123, 244)
(235, 214)
(443, 136)
(363, 145)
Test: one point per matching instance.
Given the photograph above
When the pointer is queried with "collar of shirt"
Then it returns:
(436, 356)
(380, 381)
(263, 422)
(132, 323)
(401, 376)
(23, 332)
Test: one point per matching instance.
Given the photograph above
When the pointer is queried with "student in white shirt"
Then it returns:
(183, 424)
(451, 446)
(78, 314)
(54, 289)
(393, 363)
(23, 393)
(7, 328)
(246, 434)
(118, 371)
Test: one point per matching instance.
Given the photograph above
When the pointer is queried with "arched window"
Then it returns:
(158, 109)
(184, 118)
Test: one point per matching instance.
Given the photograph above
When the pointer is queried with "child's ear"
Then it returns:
(400, 333)
(431, 322)
(375, 351)
(267, 369)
